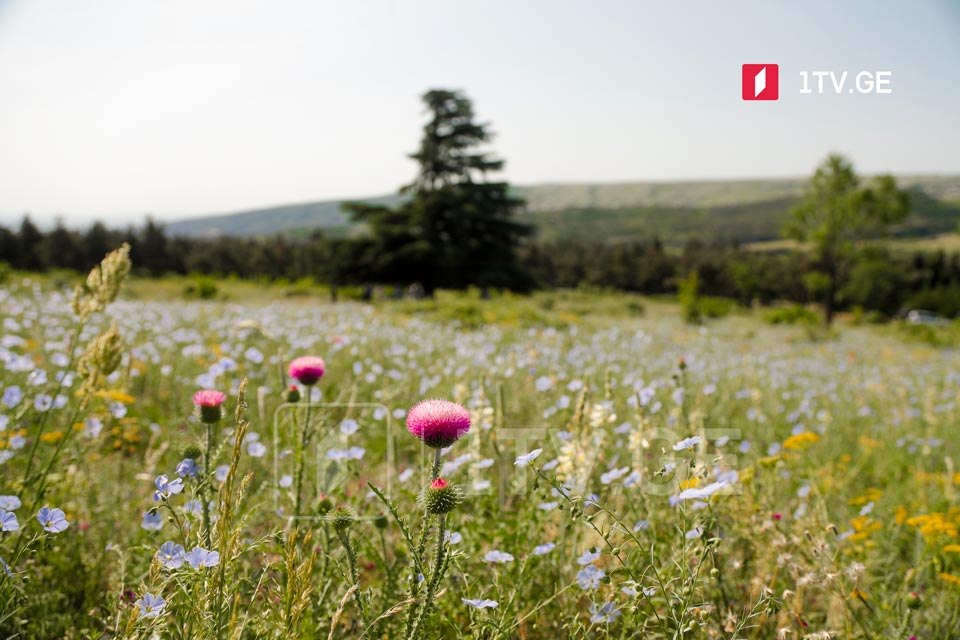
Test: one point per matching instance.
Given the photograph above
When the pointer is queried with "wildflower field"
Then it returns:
(295, 469)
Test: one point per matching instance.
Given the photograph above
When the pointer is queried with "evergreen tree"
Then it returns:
(61, 248)
(456, 229)
(97, 242)
(30, 250)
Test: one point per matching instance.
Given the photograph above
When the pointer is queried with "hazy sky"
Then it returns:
(115, 108)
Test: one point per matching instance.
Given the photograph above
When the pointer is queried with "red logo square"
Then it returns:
(761, 81)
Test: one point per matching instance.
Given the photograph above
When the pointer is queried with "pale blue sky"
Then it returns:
(115, 108)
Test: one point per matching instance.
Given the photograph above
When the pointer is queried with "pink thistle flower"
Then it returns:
(209, 398)
(307, 370)
(439, 423)
(209, 401)
(439, 483)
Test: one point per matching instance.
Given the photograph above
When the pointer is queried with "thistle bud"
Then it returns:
(340, 518)
(324, 505)
(380, 522)
(441, 497)
(913, 600)
(293, 394)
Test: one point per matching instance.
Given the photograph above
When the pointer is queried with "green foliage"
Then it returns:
(943, 301)
(876, 283)
(713, 307)
(793, 314)
(837, 214)
(202, 288)
(689, 297)
(947, 336)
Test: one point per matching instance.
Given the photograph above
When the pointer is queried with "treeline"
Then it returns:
(879, 280)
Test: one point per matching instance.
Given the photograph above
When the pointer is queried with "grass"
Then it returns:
(625, 474)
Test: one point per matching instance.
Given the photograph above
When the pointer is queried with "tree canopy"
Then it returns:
(456, 229)
(836, 215)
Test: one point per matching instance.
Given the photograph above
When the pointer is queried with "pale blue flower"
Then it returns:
(152, 521)
(453, 537)
(201, 558)
(171, 555)
(699, 493)
(498, 556)
(687, 443)
(481, 604)
(588, 556)
(590, 576)
(92, 427)
(256, 449)
(614, 474)
(187, 468)
(52, 520)
(541, 549)
(8, 521)
(193, 506)
(42, 402)
(9, 503)
(12, 396)
(353, 453)
(166, 487)
(150, 605)
(527, 458)
(221, 473)
(349, 427)
(604, 614)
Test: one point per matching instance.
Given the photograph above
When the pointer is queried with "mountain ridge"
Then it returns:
(545, 199)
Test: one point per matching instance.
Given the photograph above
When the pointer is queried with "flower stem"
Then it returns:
(208, 473)
(301, 453)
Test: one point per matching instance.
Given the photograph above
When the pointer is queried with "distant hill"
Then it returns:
(744, 210)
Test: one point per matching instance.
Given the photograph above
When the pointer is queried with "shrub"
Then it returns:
(794, 314)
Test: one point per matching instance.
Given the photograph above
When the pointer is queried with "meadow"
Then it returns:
(624, 474)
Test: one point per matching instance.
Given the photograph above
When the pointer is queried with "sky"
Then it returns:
(114, 109)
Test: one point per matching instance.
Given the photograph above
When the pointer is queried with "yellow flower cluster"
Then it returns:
(870, 495)
(800, 441)
(933, 525)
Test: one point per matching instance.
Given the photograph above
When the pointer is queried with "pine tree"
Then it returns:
(456, 229)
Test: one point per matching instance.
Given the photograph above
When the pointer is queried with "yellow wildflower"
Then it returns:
(800, 441)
